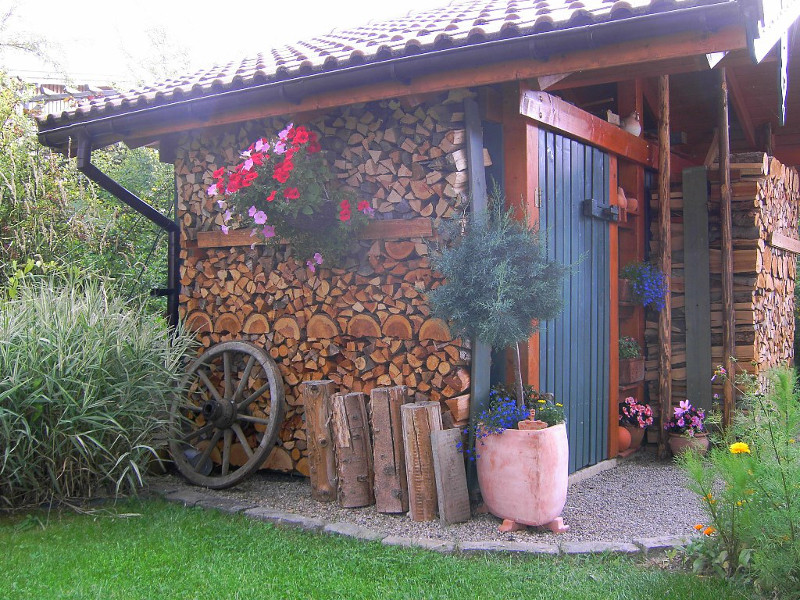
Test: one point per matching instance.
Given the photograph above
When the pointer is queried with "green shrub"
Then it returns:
(85, 382)
(750, 486)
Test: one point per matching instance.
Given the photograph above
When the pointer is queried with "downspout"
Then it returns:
(86, 167)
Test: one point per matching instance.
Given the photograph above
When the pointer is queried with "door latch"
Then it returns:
(598, 210)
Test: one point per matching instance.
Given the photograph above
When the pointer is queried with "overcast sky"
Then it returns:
(112, 39)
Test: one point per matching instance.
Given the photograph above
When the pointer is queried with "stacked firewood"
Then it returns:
(764, 198)
(365, 323)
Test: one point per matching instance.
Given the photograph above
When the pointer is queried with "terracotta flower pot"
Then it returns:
(623, 438)
(681, 443)
(637, 435)
(523, 474)
(631, 370)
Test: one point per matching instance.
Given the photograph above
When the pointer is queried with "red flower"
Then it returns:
(271, 197)
(258, 158)
(344, 213)
(281, 175)
(313, 147)
(219, 173)
(291, 193)
(300, 135)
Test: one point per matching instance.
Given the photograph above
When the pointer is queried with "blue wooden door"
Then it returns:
(574, 348)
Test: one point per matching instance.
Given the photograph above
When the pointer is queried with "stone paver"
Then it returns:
(655, 545)
(187, 497)
(598, 547)
(282, 518)
(226, 505)
(442, 546)
(494, 546)
(353, 531)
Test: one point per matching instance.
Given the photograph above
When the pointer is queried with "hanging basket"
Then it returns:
(322, 219)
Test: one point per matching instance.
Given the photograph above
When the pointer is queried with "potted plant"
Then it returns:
(647, 284)
(498, 286)
(631, 361)
(282, 189)
(687, 429)
(635, 418)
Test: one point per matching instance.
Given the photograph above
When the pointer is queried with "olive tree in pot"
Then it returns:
(498, 286)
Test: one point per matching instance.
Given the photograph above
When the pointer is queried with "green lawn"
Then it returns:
(173, 552)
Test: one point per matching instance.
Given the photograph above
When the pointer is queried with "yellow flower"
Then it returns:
(740, 448)
(709, 530)
(792, 440)
(558, 404)
(541, 401)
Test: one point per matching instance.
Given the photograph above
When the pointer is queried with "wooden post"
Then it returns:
(321, 462)
(353, 449)
(665, 316)
(728, 316)
(451, 477)
(391, 486)
(419, 420)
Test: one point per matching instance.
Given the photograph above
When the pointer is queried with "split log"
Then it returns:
(227, 323)
(391, 485)
(322, 463)
(321, 326)
(451, 477)
(399, 327)
(363, 326)
(353, 450)
(419, 420)
(256, 324)
(435, 329)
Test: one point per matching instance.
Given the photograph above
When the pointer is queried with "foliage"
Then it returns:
(750, 484)
(686, 420)
(49, 212)
(634, 414)
(85, 380)
(142, 553)
(648, 284)
(499, 283)
(282, 189)
(505, 412)
(629, 348)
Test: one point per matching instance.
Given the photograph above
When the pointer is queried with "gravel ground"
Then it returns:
(641, 497)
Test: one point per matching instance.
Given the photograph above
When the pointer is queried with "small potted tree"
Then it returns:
(499, 286)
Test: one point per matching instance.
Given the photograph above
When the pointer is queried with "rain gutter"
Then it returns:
(172, 228)
(537, 46)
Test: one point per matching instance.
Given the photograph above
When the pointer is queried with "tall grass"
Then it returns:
(85, 382)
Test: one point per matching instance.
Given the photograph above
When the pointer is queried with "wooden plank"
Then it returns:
(613, 331)
(665, 260)
(558, 114)
(784, 242)
(451, 477)
(321, 461)
(697, 301)
(420, 419)
(481, 351)
(391, 485)
(729, 322)
(387, 229)
(353, 450)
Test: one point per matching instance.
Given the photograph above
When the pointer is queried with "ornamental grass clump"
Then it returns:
(749, 484)
(85, 382)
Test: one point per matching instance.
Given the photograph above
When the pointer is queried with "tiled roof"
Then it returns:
(460, 23)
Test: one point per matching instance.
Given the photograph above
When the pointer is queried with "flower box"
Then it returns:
(631, 370)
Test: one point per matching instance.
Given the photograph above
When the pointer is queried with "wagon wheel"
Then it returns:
(225, 423)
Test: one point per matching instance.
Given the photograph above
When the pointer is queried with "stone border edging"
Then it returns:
(204, 499)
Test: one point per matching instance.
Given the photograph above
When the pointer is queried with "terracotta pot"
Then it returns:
(631, 370)
(523, 474)
(633, 205)
(637, 435)
(681, 443)
(623, 438)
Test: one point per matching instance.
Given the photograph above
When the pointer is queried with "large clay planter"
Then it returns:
(679, 444)
(631, 370)
(623, 438)
(523, 474)
(637, 435)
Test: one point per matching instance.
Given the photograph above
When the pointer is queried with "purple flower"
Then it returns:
(252, 211)
(226, 216)
(212, 190)
(280, 147)
(268, 231)
(260, 217)
(224, 229)
(318, 258)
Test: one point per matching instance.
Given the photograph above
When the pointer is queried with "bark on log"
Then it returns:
(420, 419)
(322, 463)
(353, 450)
(391, 485)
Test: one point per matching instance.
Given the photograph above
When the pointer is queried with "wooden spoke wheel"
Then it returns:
(226, 421)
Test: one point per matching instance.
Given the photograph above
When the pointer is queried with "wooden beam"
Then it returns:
(665, 259)
(613, 323)
(784, 242)
(554, 112)
(387, 229)
(740, 106)
(645, 50)
(728, 315)
(650, 93)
